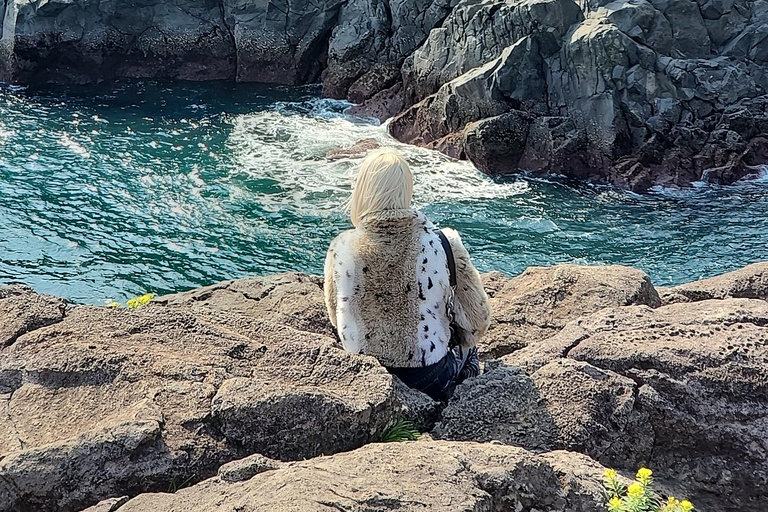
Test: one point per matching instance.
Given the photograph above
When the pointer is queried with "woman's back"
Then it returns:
(388, 285)
(393, 287)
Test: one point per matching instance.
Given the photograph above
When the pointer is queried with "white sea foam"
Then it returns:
(289, 144)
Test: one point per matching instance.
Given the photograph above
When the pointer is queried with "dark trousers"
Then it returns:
(440, 379)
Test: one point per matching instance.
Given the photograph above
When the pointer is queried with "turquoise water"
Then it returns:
(112, 191)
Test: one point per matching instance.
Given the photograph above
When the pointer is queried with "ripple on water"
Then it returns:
(108, 192)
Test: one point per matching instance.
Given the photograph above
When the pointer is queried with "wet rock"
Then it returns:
(697, 408)
(539, 302)
(750, 282)
(358, 150)
(111, 401)
(460, 476)
(663, 74)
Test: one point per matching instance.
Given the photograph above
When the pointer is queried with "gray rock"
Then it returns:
(22, 311)
(291, 299)
(108, 401)
(245, 469)
(431, 476)
(542, 300)
(697, 411)
(109, 505)
(750, 282)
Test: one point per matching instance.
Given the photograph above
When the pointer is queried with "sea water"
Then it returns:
(111, 191)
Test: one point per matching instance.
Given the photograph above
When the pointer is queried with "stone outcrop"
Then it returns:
(434, 476)
(750, 282)
(680, 389)
(103, 402)
(212, 400)
(539, 302)
(634, 93)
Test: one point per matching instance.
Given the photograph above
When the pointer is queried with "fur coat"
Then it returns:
(387, 288)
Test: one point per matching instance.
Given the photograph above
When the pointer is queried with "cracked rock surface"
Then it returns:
(540, 301)
(682, 389)
(437, 476)
(234, 397)
(113, 401)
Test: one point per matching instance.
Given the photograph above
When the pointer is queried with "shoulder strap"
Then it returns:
(449, 256)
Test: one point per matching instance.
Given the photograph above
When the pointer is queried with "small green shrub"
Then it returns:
(639, 496)
(402, 430)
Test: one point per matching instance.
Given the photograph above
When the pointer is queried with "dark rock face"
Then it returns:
(632, 93)
(82, 42)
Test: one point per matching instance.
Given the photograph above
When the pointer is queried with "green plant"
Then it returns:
(136, 302)
(180, 483)
(402, 430)
(639, 496)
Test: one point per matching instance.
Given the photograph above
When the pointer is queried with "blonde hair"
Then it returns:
(385, 182)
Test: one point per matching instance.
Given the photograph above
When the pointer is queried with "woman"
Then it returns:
(387, 284)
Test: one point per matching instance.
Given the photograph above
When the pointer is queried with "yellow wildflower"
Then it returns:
(113, 304)
(644, 475)
(610, 474)
(686, 505)
(672, 503)
(614, 504)
(140, 301)
(635, 490)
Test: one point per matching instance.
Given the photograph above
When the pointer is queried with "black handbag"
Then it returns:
(457, 332)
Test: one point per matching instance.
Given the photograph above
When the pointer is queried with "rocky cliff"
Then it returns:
(236, 397)
(634, 93)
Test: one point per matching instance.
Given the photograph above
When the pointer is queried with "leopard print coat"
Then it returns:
(387, 287)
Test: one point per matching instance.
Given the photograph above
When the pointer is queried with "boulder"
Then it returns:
(108, 402)
(539, 302)
(22, 311)
(680, 389)
(750, 282)
(424, 475)
(358, 150)
(291, 299)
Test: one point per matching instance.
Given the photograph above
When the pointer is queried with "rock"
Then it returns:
(697, 408)
(750, 282)
(111, 401)
(371, 41)
(89, 41)
(358, 150)
(291, 299)
(539, 302)
(663, 78)
(245, 469)
(429, 476)
(109, 505)
(280, 42)
(382, 105)
(565, 404)
(22, 311)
